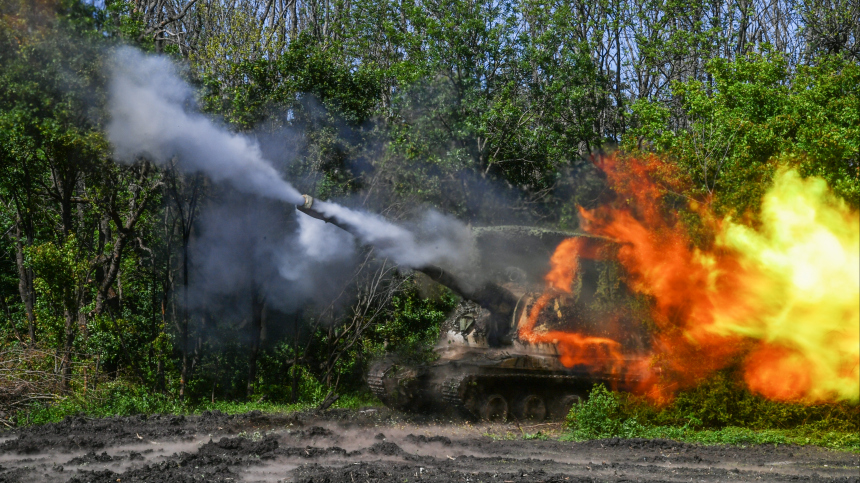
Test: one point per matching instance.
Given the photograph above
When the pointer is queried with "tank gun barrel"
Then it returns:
(489, 295)
(308, 208)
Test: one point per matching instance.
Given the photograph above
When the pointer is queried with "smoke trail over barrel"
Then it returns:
(436, 239)
(147, 103)
(152, 117)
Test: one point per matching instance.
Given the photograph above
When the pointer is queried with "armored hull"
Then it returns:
(490, 385)
(516, 380)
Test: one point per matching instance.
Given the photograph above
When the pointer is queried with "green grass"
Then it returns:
(121, 399)
(736, 436)
(111, 399)
(606, 414)
(346, 401)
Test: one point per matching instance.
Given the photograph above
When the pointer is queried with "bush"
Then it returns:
(111, 399)
(602, 415)
(722, 402)
(716, 412)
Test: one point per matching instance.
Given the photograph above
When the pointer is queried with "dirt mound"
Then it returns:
(637, 443)
(386, 448)
(135, 456)
(16, 475)
(314, 432)
(213, 462)
(77, 433)
(311, 452)
(159, 473)
(421, 439)
(31, 444)
(240, 447)
(92, 457)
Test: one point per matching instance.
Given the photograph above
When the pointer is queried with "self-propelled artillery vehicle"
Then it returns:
(484, 366)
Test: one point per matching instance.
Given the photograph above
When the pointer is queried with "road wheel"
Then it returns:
(494, 408)
(561, 406)
(530, 408)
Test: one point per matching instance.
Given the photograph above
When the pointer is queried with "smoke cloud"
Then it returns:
(246, 238)
(147, 101)
(314, 251)
(434, 239)
(247, 243)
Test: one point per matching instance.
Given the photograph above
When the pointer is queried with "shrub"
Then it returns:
(602, 415)
(718, 411)
(111, 399)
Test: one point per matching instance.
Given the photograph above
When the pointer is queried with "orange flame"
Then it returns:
(662, 262)
(710, 306)
(594, 353)
(777, 373)
(564, 263)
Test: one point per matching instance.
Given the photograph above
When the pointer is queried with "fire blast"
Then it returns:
(782, 299)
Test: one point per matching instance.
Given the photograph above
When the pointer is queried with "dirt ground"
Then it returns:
(377, 445)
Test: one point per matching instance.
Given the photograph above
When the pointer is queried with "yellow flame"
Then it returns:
(802, 288)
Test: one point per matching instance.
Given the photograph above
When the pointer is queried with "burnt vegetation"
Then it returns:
(139, 288)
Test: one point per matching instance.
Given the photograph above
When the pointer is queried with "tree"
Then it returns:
(757, 114)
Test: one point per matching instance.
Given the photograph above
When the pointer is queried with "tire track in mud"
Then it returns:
(378, 445)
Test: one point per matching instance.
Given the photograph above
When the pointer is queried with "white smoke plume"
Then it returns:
(317, 242)
(435, 239)
(152, 116)
(147, 104)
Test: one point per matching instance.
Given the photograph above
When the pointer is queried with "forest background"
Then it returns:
(490, 110)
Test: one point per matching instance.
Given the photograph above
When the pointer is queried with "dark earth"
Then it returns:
(378, 445)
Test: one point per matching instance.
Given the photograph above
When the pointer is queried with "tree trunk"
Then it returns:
(25, 283)
(68, 342)
(112, 272)
(183, 378)
(294, 21)
(258, 308)
(186, 220)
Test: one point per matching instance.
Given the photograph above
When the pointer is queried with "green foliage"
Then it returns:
(602, 415)
(59, 271)
(278, 388)
(248, 91)
(122, 399)
(722, 402)
(116, 398)
(412, 326)
(716, 412)
(516, 109)
(756, 114)
(799, 436)
(824, 117)
(535, 436)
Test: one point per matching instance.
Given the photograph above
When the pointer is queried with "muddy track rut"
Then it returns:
(378, 445)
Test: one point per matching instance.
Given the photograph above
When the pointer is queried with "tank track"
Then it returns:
(375, 379)
(453, 392)
(453, 396)
(461, 393)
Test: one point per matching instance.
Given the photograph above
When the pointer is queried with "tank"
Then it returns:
(486, 367)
